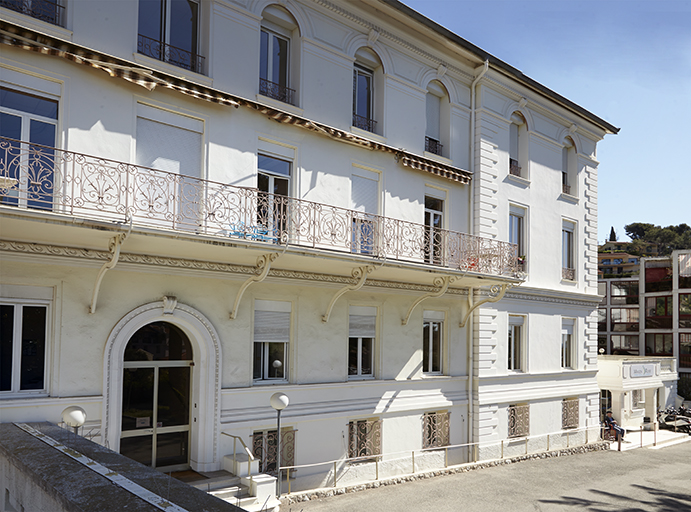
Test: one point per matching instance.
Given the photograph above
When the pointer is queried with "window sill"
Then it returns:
(35, 24)
(164, 67)
(355, 378)
(518, 180)
(433, 375)
(267, 382)
(9, 395)
(271, 102)
(569, 198)
(570, 282)
(368, 135)
(438, 158)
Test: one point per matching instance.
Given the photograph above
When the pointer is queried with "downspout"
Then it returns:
(469, 326)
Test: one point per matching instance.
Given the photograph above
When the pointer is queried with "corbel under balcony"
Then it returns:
(359, 273)
(443, 284)
(114, 248)
(263, 266)
(496, 293)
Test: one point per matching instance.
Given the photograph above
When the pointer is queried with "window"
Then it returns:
(364, 438)
(366, 103)
(278, 28)
(515, 343)
(658, 312)
(436, 104)
(605, 402)
(23, 345)
(602, 320)
(624, 292)
(435, 429)
(517, 233)
(434, 235)
(364, 198)
(617, 261)
(264, 444)
(685, 310)
(658, 344)
(168, 31)
(624, 344)
(568, 348)
(685, 350)
(658, 276)
(28, 173)
(569, 413)
(601, 344)
(633, 260)
(685, 270)
(624, 319)
(273, 183)
(568, 270)
(568, 167)
(519, 420)
(432, 341)
(518, 145)
(271, 340)
(638, 399)
(50, 11)
(361, 336)
(606, 262)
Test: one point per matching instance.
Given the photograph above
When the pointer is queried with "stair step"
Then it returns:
(216, 480)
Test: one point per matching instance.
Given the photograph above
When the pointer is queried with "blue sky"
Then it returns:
(627, 61)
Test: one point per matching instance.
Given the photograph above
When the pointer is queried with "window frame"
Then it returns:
(18, 304)
(434, 235)
(518, 232)
(629, 326)
(515, 349)
(652, 319)
(518, 416)
(431, 318)
(364, 435)
(568, 251)
(684, 311)
(569, 418)
(364, 122)
(624, 344)
(568, 344)
(685, 350)
(435, 429)
(372, 313)
(630, 298)
(658, 339)
(262, 347)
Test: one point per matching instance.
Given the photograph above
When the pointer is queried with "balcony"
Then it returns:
(49, 11)
(277, 91)
(34, 177)
(514, 168)
(433, 146)
(568, 274)
(566, 189)
(364, 123)
(165, 52)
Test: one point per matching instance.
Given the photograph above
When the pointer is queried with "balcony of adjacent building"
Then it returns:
(49, 195)
(50, 11)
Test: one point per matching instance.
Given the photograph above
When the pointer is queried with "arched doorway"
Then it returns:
(157, 367)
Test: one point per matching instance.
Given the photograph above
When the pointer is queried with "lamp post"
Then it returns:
(74, 416)
(279, 401)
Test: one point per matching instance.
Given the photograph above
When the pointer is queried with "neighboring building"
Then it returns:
(617, 264)
(204, 203)
(650, 314)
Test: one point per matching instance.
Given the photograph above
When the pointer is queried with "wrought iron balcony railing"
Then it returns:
(514, 168)
(49, 11)
(566, 189)
(165, 52)
(44, 178)
(364, 123)
(568, 274)
(277, 91)
(433, 146)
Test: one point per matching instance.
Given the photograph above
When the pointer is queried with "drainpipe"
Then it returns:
(470, 326)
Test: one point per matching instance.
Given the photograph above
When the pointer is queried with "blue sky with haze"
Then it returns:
(627, 61)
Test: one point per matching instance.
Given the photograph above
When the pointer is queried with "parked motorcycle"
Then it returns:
(671, 419)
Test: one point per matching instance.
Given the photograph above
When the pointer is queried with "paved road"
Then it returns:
(631, 481)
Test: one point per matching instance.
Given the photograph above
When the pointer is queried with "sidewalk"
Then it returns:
(648, 439)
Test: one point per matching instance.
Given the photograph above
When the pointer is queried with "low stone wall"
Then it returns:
(463, 468)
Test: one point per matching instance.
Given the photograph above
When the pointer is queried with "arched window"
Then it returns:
(518, 146)
(437, 116)
(368, 101)
(568, 167)
(279, 55)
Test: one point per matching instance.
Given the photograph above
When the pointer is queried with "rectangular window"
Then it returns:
(517, 232)
(28, 174)
(658, 276)
(434, 234)
(435, 429)
(602, 343)
(569, 413)
(515, 343)
(658, 344)
(658, 312)
(271, 340)
(168, 31)
(624, 319)
(602, 320)
(568, 271)
(364, 198)
(264, 448)
(638, 399)
(361, 336)
(519, 420)
(273, 67)
(624, 292)
(273, 208)
(685, 350)
(23, 345)
(625, 344)
(363, 97)
(685, 270)
(568, 349)
(685, 310)
(364, 438)
(432, 339)
(50, 11)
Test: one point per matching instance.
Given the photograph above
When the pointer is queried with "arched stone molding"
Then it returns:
(360, 40)
(515, 106)
(570, 132)
(295, 11)
(206, 377)
(433, 74)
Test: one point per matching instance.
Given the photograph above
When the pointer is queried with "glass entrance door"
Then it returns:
(156, 397)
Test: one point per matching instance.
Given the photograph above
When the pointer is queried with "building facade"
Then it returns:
(207, 202)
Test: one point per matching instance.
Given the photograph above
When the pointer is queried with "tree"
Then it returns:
(667, 239)
(613, 235)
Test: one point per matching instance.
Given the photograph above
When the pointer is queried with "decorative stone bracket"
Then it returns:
(496, 293)
(443, 284)
(360, 274)
(114, 248)
(263, 266)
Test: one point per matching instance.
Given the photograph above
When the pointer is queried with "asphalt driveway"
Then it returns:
(635, 480)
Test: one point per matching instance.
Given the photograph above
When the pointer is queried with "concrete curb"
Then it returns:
(463, 468)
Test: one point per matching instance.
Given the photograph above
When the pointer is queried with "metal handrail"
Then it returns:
(250, 456)
(45, 178)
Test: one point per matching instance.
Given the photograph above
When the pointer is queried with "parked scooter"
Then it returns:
(671, 419)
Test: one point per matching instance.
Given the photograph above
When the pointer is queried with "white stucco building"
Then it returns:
(204, 203)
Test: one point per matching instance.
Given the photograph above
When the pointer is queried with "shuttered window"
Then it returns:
(271, 340)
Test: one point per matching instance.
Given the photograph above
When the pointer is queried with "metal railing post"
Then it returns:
(526, 446)
(288, 478)
(547, 442)
(502, 448)
(567, 438)
(655, 433)
(446, 457)
(641, 437)
(413, 454)
(618, 442)
(335, 469)
(376, 468)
